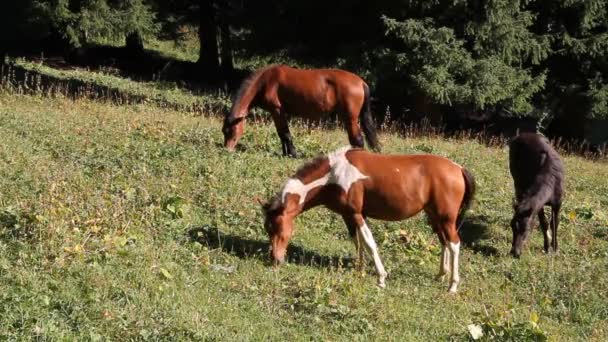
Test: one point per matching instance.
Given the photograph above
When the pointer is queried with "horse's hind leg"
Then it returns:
(444, 260)
(554, 223)
(544, 226)
(355, 138)
(453, 242)
(281, 124)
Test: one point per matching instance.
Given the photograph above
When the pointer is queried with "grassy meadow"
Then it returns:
(132, 223)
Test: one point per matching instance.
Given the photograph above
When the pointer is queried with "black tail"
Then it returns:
(469, 193)
(367, 122)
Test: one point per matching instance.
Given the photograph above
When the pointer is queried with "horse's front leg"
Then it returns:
(554, 223)
(372, 249)
(353, 232)
(544, 226)
(281, 124)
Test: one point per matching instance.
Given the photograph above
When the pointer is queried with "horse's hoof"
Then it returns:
(381, 281)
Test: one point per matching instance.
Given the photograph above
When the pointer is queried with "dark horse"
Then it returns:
(358, 184)
(538, 176)
(311, 94)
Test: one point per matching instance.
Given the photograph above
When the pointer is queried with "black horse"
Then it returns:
(538, 176)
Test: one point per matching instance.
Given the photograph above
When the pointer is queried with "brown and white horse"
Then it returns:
(310, 94)
(358, 184)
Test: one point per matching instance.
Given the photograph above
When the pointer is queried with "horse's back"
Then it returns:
(410, 182)
(317, 91)
(318, 73)
(379, 163)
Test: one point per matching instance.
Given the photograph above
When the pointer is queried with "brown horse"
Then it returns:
(358, 184)
(310, 94)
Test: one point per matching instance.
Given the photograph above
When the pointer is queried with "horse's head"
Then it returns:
(233, 130)
(520, 225)
(279, 228)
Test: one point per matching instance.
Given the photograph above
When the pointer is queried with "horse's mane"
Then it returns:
(276, 201)
(305, 169)
(246, 84)
(308, 167)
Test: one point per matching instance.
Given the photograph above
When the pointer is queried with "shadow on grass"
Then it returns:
(256, 249)
(472, 233)
(601, 233)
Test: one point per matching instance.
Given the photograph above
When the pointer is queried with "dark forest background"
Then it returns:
(540, 63)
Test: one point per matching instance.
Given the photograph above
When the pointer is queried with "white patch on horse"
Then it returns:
(341, 172)
(296, 187)
(548, 234)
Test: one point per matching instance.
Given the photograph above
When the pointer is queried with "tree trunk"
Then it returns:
(135, 42)
(226, 48)
(207, 34)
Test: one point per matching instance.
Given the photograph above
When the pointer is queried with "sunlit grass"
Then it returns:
(109, 217)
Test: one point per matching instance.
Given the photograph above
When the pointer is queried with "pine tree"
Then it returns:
(486, 60)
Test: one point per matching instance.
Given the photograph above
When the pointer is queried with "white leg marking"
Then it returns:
(548, 234)
(372, 249)
(444, 262)
(455, 251)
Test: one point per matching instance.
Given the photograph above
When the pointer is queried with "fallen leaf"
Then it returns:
(475, 331)
(166, 273)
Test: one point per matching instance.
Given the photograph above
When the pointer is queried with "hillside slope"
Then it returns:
(132, 222)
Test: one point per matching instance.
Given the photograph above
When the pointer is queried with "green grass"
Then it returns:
(98, 204)
(161, 93)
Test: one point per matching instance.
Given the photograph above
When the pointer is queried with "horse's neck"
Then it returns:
(309, 195)
(315, 198)
(245, 101)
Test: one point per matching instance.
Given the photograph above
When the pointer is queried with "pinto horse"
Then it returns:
(310, 94)
(358, 184)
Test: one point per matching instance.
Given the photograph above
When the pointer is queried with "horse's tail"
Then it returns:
(367, 122)
(469, 193)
